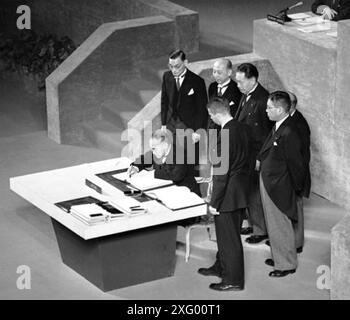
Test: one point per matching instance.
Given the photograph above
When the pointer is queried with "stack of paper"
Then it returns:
(308, 21)
(129, 205)
(144, 180)
(175, 197)
(89, 213)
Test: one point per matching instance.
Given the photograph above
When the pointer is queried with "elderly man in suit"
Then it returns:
(162, 158)
(252, 111)
(224, 86)
(282, 176)
(229, 197)
(332, 9)
(183, 101)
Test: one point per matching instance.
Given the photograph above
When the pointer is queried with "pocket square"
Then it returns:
(231, 103)
(275, 143)
(190, 92)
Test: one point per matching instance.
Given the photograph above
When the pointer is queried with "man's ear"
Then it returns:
(186, 62)
(230, 72)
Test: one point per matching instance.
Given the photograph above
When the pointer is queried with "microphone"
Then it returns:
(282, 17)
(296, 5)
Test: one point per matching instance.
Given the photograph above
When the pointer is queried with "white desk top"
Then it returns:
(44, 189)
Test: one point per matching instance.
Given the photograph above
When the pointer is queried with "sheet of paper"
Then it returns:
(143, 180)
(311, 21)
(175, 197)
(299, 16)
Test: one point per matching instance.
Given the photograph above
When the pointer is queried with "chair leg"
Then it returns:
(188, 234)
(209, 233)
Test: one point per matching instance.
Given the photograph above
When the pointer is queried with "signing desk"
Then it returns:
(111, 255)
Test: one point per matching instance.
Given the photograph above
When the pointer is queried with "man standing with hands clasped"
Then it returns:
(229, 197)
(282, 176)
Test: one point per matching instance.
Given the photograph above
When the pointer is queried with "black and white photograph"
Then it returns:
(189, 151)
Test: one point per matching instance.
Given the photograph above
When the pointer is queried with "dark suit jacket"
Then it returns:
(189, 104)
(282, 167)
(254, 115)
(304, 134)
(181, 174)
(341, 6)
(230, 189)
(232, 94)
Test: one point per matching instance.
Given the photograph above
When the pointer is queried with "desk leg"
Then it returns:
(120, 260)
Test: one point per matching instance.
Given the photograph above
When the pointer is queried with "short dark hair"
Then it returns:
(249, 70)
(282, 98)
(177, 53)
(218, 105)
(228, 63)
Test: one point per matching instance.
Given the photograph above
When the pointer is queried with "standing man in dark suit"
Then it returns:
(332, 9)
(252, 111)
(282, 176)
(229, 197)
(183, 101)
(224, 86)
(303, 130)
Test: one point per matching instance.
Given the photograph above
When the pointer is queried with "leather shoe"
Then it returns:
(247, 230)
(225, 287)
(280, 273)
(209, 272)
(269, 262)
(255, 239)
(299, 250)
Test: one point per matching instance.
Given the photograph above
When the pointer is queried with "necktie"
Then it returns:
(177, 79)
(241, 105)
(220, 90)
(273, 129)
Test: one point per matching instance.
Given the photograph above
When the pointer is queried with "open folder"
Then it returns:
(175, 197)
(144, 180)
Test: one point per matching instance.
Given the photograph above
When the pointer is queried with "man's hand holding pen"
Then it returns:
(132, 170)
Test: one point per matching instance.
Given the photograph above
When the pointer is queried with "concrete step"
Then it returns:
(153, 70)
(140, 91)
(105, 136)
(119, 112)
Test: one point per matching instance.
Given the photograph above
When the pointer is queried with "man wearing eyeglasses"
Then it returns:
(183, 99)
(282, 176)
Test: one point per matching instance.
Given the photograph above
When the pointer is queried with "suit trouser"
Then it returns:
(281, 233)
(255, 212)
(230, 262)
(299, 226)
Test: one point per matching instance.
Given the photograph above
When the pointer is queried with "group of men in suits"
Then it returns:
(267, 145)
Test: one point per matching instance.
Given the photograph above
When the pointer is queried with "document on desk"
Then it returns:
(175, 197)
(299, 16)
(89, 213)
(316, 28)
(144, 180)
(309, 21)
(129, 205)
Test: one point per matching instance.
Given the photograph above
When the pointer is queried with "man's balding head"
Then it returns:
(222, 70)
